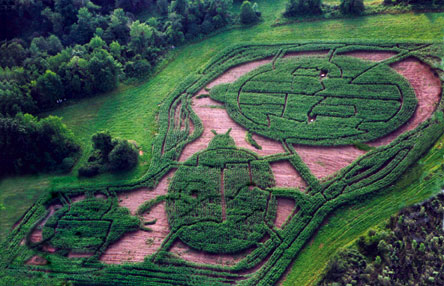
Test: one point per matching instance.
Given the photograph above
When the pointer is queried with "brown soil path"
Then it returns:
(133, 199)
(285, 208)
(373, 56)
(286, 175)
(134, 246)
(325, 161)
(427, 87)
(186, 253)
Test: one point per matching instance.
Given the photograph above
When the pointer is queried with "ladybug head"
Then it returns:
(221, 140)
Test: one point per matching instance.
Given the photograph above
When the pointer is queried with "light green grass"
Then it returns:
(348, 223)
(130, 112)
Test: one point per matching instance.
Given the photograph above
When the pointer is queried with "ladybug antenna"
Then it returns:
(228, 132)
(214, 131)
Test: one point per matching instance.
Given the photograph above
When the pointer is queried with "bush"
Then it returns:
(247, 14)
(302, 7)
(352, 7)
(89, 170)
(123, 156)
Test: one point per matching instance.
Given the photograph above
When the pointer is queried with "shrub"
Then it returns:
(89, 170)
(247, 14)
(352, 7)
(302, 7)
(123, 156)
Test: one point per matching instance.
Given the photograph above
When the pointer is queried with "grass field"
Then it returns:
(130, 113)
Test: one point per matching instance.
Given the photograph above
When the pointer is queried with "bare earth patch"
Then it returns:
(37, 260)
(286, 175)
(285, 208)
(36, 235)
(373, 56)
(427, 87)
(232, 74)
(218, 119)
(186, 253)
(133, 199)
(134, 246)
(326, 161)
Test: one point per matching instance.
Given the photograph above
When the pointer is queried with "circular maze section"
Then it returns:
(319, 100)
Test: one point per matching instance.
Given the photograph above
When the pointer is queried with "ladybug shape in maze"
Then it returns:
(217, 199)
(317, 101)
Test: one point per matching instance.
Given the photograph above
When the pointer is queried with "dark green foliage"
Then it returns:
(124, 156)
(29, 145)
(102, 141)
(407, 251)
(49, 89)
(88, 225)
(89, 47)
(247, 14)
(352, 6)
(210, 203)
(302, 7)
(104, 71)
(109, 155)
(315, 101)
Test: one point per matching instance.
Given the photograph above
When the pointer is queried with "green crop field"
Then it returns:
(222, 200)
(296, 100)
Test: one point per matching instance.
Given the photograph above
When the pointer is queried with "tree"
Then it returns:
(123, 156)
(162, 7)
(141, 37)
(301, 7)
(49, 89)
(247, 14)
(104, 70)
(118, 26)
(352, 7)
(103, 142)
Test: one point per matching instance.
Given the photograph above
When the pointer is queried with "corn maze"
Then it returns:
(256, 149)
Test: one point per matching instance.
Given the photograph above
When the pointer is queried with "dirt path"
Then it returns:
(133, 199)
(286, 175)
(373, 56)
(326, 161)
(285, 208)
(427, 87)
(215, 117)
(183, 251)
(134, 246)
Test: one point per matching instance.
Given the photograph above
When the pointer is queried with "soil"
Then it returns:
(134, 246)
(37, 260)
(36, 235)
(232, 74)
(133, 199)
(286, 175)
(326, 161)
(218, 119)
(200, 257)
(427, 87)
(284, 209)
(373, 56)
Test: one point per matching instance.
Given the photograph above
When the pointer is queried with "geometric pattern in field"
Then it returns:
(237, 207)
(320, 101)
